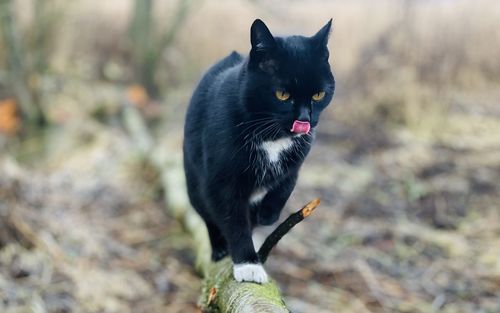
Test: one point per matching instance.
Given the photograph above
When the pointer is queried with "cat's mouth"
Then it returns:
(300, 127)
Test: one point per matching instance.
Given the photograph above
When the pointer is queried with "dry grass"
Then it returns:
(401, 61)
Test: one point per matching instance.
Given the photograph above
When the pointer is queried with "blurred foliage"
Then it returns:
(148, 43)
(406, 160)
(18, 75)
(30, 49)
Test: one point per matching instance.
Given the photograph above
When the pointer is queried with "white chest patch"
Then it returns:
(257, 195)
(274, 148)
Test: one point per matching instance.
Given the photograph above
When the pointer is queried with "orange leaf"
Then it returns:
(9, 120)
(212, 294)
(137, 95)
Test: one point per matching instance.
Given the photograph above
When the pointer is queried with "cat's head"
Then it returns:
(289, 78)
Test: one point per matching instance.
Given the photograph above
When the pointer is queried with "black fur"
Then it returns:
(232, 111)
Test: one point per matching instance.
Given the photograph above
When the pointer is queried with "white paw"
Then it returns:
(250, 272)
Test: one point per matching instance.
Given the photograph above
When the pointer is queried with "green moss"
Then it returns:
(232, 295)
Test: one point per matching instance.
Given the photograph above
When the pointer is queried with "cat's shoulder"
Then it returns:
(231, 60)
(234, 57)
(218, 72)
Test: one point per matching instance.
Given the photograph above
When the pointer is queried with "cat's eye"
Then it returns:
(318, 96)
(282, 95)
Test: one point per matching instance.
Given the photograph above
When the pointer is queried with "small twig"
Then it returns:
(373, 284)
(284, 228)
(40, 240)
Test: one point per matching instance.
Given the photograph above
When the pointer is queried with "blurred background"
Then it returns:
(406, 162)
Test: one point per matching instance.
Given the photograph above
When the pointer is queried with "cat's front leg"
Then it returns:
(238, 233)
(274, 201)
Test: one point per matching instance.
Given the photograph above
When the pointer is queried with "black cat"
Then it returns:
(249, 126)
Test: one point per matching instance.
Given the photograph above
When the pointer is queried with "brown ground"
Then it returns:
(405, 226)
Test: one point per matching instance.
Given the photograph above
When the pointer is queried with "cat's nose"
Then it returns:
(304, 114)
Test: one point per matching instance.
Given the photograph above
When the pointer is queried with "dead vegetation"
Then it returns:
(407, 160)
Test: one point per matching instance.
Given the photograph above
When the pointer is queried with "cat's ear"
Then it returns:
(260, 36)
(263, 44)
(321, 37)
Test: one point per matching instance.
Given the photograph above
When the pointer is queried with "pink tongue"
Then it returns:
(300, 127)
